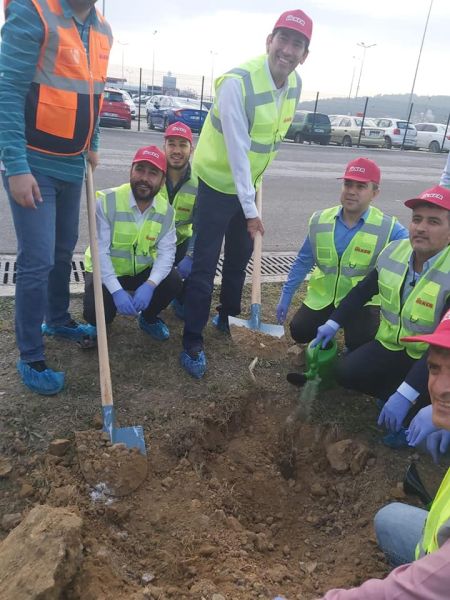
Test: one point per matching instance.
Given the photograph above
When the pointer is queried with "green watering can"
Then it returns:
(320, 363)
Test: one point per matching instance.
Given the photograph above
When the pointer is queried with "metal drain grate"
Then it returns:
(275, 267)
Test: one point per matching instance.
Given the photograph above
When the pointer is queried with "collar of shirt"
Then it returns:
(277, 91)
(412, 275)
(69, 13)
(362, 218)
(174, 188)
(138, 215)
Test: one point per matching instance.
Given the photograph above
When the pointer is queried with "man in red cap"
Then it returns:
(252, 110)
(137, 241)
(412, 278)
(343, 244)
(413, 539)
(181, 191)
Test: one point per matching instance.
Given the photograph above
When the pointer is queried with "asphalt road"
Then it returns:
(301, 180)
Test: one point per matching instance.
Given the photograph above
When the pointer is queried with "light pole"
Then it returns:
(364, 47)
(103, 8)
(123, 44)
(353, 77)
(213, 54)
(420, 54)
(153, 60)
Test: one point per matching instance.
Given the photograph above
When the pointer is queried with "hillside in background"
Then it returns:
(426, 108)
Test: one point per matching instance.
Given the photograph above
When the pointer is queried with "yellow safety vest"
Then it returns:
(63, 101)
(437, 526)
(267, 126)
(422, 310)
(333, 277)
(133, 248)
(183, 205)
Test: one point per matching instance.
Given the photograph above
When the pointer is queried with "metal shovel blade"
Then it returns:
(132, 437)
(255, 324)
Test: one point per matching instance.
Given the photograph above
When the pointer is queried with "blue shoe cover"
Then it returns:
(396, 439)
(220, 324)
(158, 331)
(77, 333)
(196, 367)
(178, 308)
(47, 383)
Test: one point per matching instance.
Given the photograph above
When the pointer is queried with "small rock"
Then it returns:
(359, 460)
(167, 482)
(207, 550)
(152, 592)
(296, 355)
(234, 524)
(5, 467)
(97, 421)
(218, 597)
(397, 493)
(339, 455)
(286, 550)
(195, 503)
(148, 578)
(59, 447)
(261, 542)
(11, 520)
(318, 490)
(26, 491)
(19, 446)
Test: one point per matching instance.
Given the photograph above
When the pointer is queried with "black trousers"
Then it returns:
(362, 329)
(166, 291)
(377, 371)
(179, 255)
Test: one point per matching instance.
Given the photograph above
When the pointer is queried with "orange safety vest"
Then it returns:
(64, 98)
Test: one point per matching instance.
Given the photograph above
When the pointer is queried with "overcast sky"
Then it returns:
(195, 37)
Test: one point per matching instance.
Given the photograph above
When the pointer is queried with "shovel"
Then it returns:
(412, 484)
(125, 446)
(255, 336)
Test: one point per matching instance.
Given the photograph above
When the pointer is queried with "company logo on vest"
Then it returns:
(363, 250)
(424, 303)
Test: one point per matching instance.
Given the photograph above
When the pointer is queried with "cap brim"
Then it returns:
(413, 202)
(356, 178)
(434, 339)
(150, 162)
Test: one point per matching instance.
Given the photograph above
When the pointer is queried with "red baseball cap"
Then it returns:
(296, 20)
(153, 155)
(179, 130)
(362, 169)
(441, 336)
(437, 195)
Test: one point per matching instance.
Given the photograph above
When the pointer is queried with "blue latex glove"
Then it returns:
(143, 296)
(394, 412)
(282, 308)
(438, 443)
(325, 333)
(420, 427)
(185, 267)
(124, 303)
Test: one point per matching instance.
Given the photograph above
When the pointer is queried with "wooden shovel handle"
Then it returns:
(102, 341)
(257, 251)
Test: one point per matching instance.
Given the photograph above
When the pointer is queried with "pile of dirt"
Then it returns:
(258, 344)
(231, 509)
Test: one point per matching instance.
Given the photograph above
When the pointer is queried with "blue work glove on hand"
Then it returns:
(143, 296)
(394, 412)
(185, 267)
(325, 333)
(420, 427)
(282, 308)
(438, 443)
(124, 303)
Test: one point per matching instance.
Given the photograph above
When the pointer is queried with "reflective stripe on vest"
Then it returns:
(267, 126)
(63, 101)
(334, 278)
(133, 248)
(183, 205)
(437, 526)
(422, 310)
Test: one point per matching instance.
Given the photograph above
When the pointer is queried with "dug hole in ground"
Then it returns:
(235, 506)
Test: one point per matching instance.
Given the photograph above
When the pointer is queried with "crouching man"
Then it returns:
(137, 243)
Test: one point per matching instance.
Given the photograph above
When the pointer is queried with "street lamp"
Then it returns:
(153, 60)
(123, 44)
(103, 8)
(353, 77)
(364, 47)
(213, 54)
(420, 54)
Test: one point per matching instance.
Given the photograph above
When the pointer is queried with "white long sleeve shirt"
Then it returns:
(230, 102)
(445, 177)
(165, 255)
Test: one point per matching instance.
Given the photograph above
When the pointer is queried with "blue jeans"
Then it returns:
(217, 215)
(46, 238)
(398, 528)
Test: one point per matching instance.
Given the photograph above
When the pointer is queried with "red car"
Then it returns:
(115, 112)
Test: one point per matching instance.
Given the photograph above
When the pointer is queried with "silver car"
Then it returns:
(430, 136)
(394, 132)
(345, 132)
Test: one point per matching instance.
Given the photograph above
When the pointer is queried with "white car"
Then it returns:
(394, 132)
(152, 100)
(129, 100)
(431, 135)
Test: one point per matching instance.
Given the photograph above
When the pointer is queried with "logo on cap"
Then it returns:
(296, 20)
(148, 153)
(357, 169)
(437, 196)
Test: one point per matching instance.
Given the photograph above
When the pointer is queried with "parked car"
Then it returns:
(345, 132)
(115, 111)
(152, 101)
(431, 135)
(129, 100)
(394, 132)
(309, 127)
(172, 109)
